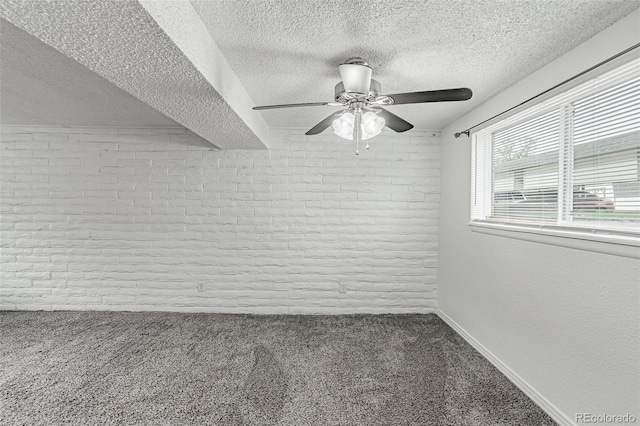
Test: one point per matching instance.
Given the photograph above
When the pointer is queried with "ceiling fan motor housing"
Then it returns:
(356, 75)
(345, 96)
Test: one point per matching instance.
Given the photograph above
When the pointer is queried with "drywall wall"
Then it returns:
(564, 320)
(157, 219)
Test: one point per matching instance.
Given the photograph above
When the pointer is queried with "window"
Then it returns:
(570, 163)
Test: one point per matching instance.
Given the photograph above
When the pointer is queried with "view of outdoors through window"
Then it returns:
(525, 166)
(578, 162)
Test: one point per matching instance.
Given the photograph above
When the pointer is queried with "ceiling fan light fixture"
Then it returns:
(371, 125)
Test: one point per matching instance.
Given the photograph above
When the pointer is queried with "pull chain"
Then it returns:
(357, 130)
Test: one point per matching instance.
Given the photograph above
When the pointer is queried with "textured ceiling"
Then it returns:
(41, 86)
(288, 51)
(204, 63)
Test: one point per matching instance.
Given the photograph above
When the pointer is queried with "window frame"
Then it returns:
(607, 238)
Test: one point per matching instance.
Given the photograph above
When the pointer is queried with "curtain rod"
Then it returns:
(467, 132)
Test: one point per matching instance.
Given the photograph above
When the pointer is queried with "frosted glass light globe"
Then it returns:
(343, 125)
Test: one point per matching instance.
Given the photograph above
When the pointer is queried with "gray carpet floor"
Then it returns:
(87, 368)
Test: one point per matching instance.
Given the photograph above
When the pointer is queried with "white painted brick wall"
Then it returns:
(155, 219)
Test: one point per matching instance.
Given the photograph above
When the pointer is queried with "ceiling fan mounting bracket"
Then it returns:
(356, 60)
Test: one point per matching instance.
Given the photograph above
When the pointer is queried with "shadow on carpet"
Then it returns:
(129, 368)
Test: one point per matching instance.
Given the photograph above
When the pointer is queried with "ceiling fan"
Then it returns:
(364, 116)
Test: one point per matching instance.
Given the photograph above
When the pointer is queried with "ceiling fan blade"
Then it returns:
(299, 105)
(461, 94)
(394, 122)
(324, 124)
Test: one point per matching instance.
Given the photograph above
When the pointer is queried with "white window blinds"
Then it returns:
(571, 161)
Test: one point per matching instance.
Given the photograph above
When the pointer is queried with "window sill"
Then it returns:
(601, 242)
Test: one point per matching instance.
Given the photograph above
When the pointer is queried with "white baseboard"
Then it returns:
(267, 310)
(553, 412)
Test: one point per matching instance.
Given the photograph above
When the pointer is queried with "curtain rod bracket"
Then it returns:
(466, 132)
